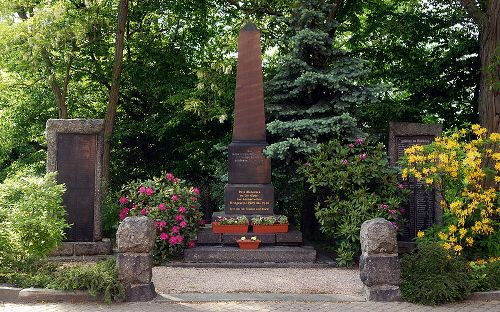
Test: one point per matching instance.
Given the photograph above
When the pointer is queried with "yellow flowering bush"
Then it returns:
(464, 166)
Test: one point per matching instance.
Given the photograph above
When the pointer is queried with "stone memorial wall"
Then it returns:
(75, 152)
(423, 208)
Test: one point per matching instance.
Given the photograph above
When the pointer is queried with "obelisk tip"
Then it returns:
(249, 27)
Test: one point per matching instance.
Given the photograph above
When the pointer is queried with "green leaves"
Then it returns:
(33, 220)
(353, 183)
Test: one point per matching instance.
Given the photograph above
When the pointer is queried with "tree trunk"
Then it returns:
(489, 95)
(59, 95)
(115, 89)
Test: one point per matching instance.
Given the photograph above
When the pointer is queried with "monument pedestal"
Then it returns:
(275, 248)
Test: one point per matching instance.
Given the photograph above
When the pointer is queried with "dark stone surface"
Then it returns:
(93, 248)
(379, 270)
(140, 292)
(247, 164)
(135, 268)
(378, 236)
(136, 235)
(249, 120)
(66, 249)
(423, 209)
(266, 239)
(279, 254)
(293, 236)
(249, 199)
(76, 160)
(207, 237)
(74, 149)
(382, 293)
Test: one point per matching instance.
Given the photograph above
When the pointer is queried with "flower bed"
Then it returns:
(174, 207)
(270, 224)
(230, 225)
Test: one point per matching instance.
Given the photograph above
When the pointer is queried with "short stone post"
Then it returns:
(379, 263)
(136, 238)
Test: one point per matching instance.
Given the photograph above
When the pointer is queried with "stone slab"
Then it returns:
(207, 237)
(9, 294)
(293, 236)
(52, 295)
(93, 248)
(66, 249)
(135, 268)
(278, 254)
(237, 297)
(383, 293)
(379, 269)
(485, 296)
(140, 292)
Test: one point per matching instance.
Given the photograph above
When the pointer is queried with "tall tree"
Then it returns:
(486, 14)
(311, 99)
(109, 120)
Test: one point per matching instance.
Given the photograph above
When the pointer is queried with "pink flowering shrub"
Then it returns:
(353, 183)
(174, 207)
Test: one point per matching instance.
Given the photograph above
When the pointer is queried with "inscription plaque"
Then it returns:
(422, 207)
(76, 158)
(247, 164)
(249, 199)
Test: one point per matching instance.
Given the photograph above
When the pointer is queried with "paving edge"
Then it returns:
(26, 295)
(236, 265)
(485, 296)
(277, 297)
(20, 295)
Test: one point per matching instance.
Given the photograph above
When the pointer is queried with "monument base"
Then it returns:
(69, 249)
(249, 199)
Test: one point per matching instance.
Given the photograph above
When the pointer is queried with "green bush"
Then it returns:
(99, 278)
(432, 275)
(353, 183)
(32, 217)
(486, 276)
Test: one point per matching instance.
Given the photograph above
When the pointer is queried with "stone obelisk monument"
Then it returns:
(249, 189)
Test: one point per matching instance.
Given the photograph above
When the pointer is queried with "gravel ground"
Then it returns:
(171, 280)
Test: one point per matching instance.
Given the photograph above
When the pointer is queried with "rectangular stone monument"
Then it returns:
(423, 206)
(75, 148)
(249, 189)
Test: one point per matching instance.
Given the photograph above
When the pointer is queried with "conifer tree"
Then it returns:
(310, 100)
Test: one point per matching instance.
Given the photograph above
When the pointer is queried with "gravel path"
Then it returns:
(172, 280)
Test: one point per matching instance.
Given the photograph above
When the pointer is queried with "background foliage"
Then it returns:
(373, 62)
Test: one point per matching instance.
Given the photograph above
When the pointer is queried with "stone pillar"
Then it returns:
(379, 262)
(136, 238)
(249, 189)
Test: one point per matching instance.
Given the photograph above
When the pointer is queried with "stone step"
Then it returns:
(229, 254)
(207, 237)
(67, 249)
